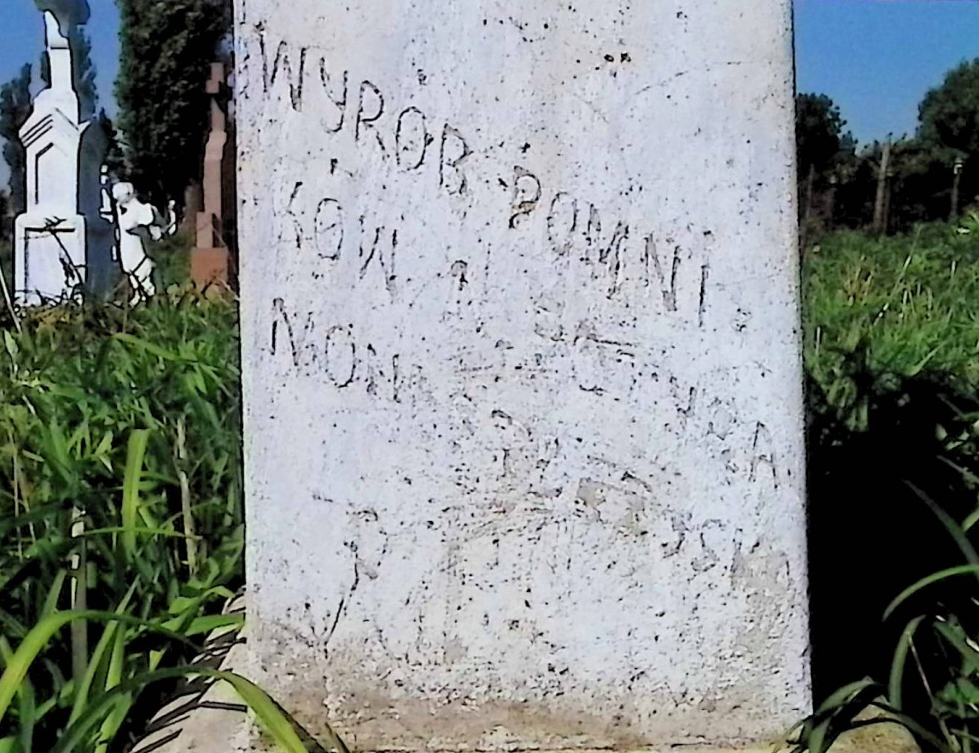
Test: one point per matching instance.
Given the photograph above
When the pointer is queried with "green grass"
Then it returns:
(120, 482)
(879, 313)
(892, 357)
(120, 476)
(172, 257)
(119, 452)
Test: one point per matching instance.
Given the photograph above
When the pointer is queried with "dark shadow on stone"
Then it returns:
(102, 270)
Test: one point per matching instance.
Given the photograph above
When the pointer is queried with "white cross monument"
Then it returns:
(62, 245)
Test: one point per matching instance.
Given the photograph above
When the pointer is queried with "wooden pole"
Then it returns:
(807, 209)
(887, 206)
(956, 181)
(79, 597)
(879, 203)
(830, 208)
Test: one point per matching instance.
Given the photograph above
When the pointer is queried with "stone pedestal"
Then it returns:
(49, 259)
(210, 261)
(210, 267)
(522, 375)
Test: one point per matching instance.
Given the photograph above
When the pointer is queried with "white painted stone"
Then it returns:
(138, 222)
(522, 369)
(62, 245)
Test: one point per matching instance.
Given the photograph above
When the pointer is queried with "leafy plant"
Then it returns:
(933, 685)
(879, 313)
(120, 515)
(124, 662)
(892, 339)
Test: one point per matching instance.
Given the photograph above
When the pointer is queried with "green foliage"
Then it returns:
(949, 114)
(820, 140)
(6, 220)
(167, 49)
(936, 659)
(920, 171)
(15, 108)
(6, 264)
(114, 158)
(125, 421)
(172, 257)
(892, 356)
(881, 313)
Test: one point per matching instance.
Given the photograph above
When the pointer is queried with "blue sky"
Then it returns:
(876, 58)
(22, 41)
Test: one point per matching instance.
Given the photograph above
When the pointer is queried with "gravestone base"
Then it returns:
(375, 713)
(210, 267)
(219, 728)
(41, 251)
(210, 263)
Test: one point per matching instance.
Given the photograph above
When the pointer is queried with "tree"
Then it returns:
(949, 126)
(820, 140)
(167, 48)
(949, 114)
(822, 150)
(15, 108)
(114, 159)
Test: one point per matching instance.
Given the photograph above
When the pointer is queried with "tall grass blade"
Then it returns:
(280, 726)
(953, 528)
(927, 581)
(39, 636)
(895, 687)
(101, 651)
(130, 488)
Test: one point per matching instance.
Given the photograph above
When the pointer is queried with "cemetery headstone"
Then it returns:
(522, 375)
(210, 259)
(62, 245)
(137, 224)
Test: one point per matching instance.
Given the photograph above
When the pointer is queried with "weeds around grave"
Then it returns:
(121, 521)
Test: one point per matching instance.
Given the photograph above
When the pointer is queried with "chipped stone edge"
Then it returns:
(207, 716)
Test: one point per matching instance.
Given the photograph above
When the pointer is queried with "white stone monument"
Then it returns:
(137, 222)
(62, 246)
(523, 386)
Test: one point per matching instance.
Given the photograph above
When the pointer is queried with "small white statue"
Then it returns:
(136, 221)
(168, 222)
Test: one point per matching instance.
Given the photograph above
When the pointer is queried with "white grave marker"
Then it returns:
(524, 433)
(61, 243)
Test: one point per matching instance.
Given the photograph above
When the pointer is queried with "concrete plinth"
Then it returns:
(210, 267)
(49, 258)
(523, 387)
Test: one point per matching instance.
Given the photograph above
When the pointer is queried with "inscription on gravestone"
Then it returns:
(522, 375)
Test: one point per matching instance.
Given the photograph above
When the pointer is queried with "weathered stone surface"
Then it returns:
(521, 369)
